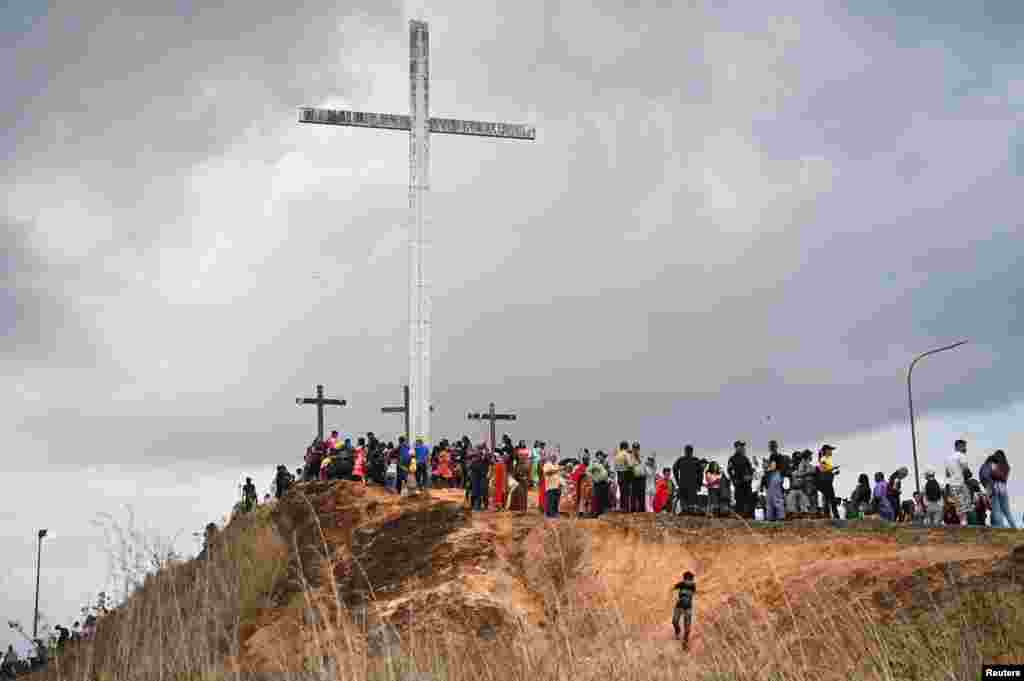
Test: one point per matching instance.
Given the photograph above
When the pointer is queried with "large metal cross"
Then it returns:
(420, 125)
(492, 416)
(320, 401)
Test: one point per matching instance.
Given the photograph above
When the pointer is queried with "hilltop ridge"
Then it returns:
(355, 578)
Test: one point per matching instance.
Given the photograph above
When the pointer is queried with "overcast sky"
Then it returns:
(737, 221)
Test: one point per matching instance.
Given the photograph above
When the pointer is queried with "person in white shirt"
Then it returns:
(957, 470)
(552, 485)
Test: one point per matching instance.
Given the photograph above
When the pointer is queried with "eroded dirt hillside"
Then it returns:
(387, 571)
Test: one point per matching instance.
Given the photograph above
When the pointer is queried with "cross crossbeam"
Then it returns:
(419, 125)
(383, 121)
(320, 401)
(493, 417)
(404, 410)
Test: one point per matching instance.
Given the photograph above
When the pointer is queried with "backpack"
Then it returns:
(685, 598)
(932, 491)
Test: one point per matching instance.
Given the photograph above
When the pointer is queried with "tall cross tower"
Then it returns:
(420, 126)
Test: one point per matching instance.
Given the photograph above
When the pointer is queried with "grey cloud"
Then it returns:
(37, 316)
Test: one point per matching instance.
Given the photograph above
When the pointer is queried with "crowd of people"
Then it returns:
(778, 486)
(35, 654)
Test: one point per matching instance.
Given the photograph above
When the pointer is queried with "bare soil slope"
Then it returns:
(425, 568)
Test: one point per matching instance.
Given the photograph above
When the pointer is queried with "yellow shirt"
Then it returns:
(622, 460)
(552, 476)
(826, 463)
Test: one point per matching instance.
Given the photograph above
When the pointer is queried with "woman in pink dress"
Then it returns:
(359, 468)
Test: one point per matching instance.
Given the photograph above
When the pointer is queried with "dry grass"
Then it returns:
(188, 621)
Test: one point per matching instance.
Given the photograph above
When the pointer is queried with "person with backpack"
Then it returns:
(932, 500)
(684, 606)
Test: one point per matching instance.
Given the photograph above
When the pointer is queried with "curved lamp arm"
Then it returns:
(910, 401)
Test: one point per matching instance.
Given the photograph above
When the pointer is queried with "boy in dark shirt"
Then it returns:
(684, 606)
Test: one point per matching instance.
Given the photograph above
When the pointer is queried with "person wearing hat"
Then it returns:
(741, 472)
(826, 475)
(933, 503)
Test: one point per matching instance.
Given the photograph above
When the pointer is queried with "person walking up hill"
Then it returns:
(684, 606)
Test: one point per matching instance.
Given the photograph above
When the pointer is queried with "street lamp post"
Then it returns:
(39, 557)
(910, 400)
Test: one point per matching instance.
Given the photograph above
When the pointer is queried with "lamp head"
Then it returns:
(42, 533)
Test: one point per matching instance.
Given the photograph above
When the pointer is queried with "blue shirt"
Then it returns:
(422, 452)
(404, 455)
